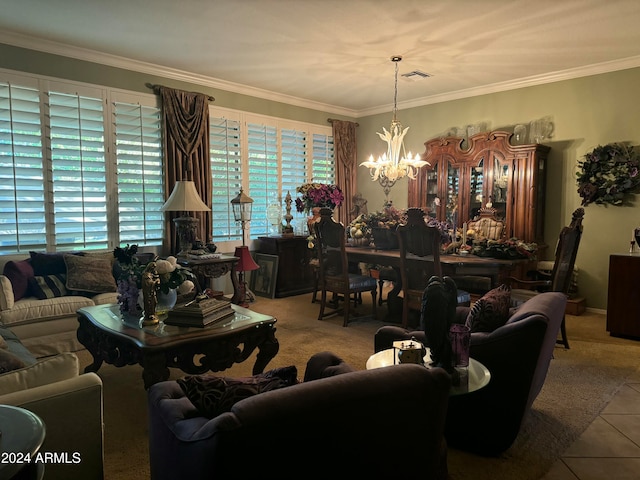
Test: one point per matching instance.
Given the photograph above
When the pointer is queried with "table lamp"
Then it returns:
(185, 198)
(245, 264)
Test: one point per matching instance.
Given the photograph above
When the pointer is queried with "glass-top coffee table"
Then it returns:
(119, 340)
(472, 378)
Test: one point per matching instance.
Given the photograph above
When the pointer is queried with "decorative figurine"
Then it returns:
(150, 286)
(288, 229)
(439, 302)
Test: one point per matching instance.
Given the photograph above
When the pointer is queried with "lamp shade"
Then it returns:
(246, 262)
(184, 198)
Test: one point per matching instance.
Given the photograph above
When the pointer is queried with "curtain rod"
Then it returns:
(331, 120)
(155, 88)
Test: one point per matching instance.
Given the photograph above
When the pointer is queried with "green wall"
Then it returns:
(586, 112)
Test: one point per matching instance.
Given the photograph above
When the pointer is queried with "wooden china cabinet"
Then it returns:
(458, 182)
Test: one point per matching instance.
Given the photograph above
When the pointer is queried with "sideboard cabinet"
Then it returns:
(623, 301)
(295, 275)
(458, 182)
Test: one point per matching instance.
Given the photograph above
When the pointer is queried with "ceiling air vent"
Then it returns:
(415, 75)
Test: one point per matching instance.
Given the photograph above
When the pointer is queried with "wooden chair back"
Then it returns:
(417, 239)
(566, 252)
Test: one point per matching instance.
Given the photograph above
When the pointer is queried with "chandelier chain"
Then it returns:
(395, 93)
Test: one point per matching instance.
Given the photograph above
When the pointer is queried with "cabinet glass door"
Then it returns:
(453, 193)
(433, 201)
(476, 189)
(501, 184)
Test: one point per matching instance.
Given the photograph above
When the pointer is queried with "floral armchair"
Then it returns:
(487, 226)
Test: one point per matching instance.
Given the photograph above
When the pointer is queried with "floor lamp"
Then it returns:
(185, 198)
(241, 205)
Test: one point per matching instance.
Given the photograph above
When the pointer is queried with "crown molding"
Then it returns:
(570, 74)
(87, 55)
(55, 48)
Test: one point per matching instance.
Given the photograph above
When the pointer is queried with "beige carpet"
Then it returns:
(581, 381)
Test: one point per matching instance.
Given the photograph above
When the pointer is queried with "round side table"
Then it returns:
(21, 436)
(473, 378)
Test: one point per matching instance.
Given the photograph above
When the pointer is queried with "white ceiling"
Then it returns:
(335, 54)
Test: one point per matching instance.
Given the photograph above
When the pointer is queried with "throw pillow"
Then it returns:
(47, 263)
(491, 311)
(213, 395)
(89, 274)
(19, 274)
(9, 362)
(48, 286)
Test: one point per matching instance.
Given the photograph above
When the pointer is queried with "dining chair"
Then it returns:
(563, 270)
(418, 240)
(334, 275)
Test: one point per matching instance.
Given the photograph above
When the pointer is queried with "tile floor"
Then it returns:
(610, 447)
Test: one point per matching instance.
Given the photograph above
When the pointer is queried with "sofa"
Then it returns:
(70, 405)
(378, 423)
(39, 296)
(517, 354)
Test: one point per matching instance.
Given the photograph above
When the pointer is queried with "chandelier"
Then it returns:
(394, 163)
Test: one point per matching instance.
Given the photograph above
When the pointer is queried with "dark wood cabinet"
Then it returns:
(623, 303)
(459, 181)
(294, 273)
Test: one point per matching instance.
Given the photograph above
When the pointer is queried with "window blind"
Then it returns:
(138, 141)
(22, 192)
(263, 173)
(226, 174)
(78, 171)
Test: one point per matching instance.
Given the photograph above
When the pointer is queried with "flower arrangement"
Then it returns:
(129, 272)
(607, 173)
(504, 248)
(318, 195)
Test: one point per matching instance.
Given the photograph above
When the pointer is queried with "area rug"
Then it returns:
(580, 383)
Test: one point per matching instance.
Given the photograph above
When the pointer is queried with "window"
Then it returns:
(277, 156)
(78, 171)
(226, 173)
(81, 166)
(22, 197)
(138, 143)
(58, 157)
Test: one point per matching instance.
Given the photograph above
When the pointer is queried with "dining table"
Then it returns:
(497, 269)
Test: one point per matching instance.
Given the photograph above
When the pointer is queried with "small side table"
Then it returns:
(208, 268)
(477, 378)
(21, 435)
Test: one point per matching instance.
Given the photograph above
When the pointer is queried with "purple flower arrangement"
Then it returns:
(318, 195)
(607, 173)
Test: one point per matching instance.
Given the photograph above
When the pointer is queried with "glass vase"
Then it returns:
(166, 301)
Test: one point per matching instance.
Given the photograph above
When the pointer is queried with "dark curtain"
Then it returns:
(185, 126)
(345, 155)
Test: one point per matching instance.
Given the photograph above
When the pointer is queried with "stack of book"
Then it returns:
(199, 313)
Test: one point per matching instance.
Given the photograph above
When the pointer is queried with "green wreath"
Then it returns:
(607, 174)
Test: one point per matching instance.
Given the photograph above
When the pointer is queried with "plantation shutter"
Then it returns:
(78, 171)
(22, 184)
(226, 172)
(323, 166)
(138, 140)
(294, 165)
(263, 173)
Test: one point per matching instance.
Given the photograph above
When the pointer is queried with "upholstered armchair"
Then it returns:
(336, 420)
(517, 355)
(487, 225)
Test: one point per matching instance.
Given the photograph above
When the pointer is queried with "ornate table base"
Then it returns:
(193, 350)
